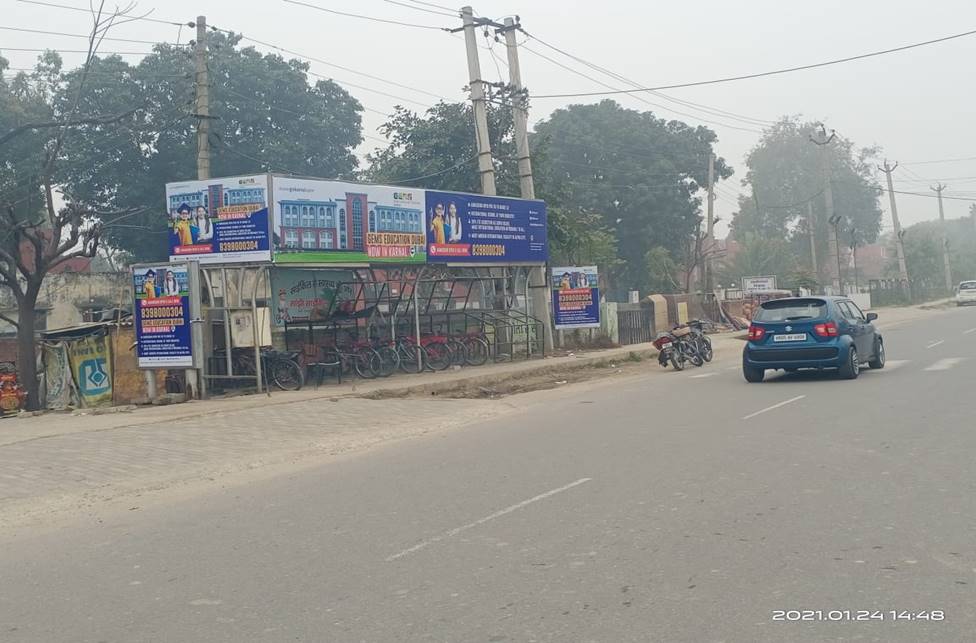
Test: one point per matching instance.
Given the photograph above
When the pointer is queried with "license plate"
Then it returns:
(798, 337)
(665, 346)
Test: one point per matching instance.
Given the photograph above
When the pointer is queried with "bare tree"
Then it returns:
(39, 240)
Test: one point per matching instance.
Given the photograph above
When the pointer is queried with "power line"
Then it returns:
(705, 108)
(431, 4)
(787, 70)
(955, 160)
(78, 51)
(416, 8)
(85, 36)
(362, 17)
(88, 11)
(456, 166)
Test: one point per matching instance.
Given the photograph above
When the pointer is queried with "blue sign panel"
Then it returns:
(576, 297)
(473, 228)
(162, 311)
(219, 220)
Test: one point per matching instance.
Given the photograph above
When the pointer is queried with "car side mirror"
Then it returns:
(871, 317)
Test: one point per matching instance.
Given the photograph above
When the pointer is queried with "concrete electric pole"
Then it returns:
(899, 237)
(945, 241)
(538, 282)
(822, 140)
(710, 228)
(202, 109)
(486, 166)
(812, 225)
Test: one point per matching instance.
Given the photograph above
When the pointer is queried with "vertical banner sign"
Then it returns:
(473, 228)
(318, 221)
(219, 220)
(162, 310)
(91, 367)
(576, 297)
(309, 295)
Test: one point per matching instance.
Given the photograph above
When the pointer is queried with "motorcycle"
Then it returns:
(677, 349)
(702, 343)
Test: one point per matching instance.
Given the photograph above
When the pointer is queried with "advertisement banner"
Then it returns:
(91, 367)
(162, 312)
(759, 284)
(473, 228)
(57, 376)
(219, 220)
(309, 295)
(576, 297)
(318, 221)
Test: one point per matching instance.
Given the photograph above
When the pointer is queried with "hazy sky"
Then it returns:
(918, 105)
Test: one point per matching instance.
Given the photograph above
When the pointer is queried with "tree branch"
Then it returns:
(95, 120)
(10, 320)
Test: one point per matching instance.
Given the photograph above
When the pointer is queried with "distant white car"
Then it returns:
(966, 293)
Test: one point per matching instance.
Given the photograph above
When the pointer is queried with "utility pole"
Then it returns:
(485, 164)
(710, 228)
(812, 225)
(854, 255)
(899, 237)
(203, 100)
(538, 283)
(822, 140)
(945, 241)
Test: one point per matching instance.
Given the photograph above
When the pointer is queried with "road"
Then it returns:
(686, 507)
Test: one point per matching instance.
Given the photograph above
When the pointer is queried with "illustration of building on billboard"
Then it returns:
(330, 221)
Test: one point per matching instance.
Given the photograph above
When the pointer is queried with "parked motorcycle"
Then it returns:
(676, 349)
(702, 343)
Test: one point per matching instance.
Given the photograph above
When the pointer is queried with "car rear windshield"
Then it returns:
(967, 285)
(791, 310)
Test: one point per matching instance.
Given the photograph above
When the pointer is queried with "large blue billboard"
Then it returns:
(162, 311)
(219, 220)
(473, 228)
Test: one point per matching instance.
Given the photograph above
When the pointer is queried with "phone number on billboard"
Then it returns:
(496, 250)
(238, 246)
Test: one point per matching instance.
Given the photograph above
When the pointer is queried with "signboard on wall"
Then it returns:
(219, 220)
(474, 228)
(759, 284)
(164, 338)
(575, 297)
(318, 221)
(308, 295)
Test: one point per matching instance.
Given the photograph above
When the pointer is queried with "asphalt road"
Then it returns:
(689, 507)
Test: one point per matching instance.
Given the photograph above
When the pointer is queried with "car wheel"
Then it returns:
(879, 355)
(753, 374)
(852, 368)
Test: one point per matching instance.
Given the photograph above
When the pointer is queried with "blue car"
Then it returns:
(812, 333)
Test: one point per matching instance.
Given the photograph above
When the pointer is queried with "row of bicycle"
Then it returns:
(683, 344)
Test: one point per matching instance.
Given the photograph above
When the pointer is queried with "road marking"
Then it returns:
(498, 514)
(733, 368)
(945, 364)
(774, 406)
(971, 330)
(893, 364)
(698, 377)
(934, 344)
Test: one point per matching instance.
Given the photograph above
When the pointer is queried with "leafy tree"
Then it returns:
(785, 174)
(923, 252)
(641, 174)
(265, 116)
(758, 255)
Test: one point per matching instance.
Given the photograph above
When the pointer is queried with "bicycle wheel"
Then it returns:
(458, 350)
(476, 351)
(286, 374)
(367, 363)
(439, 356)
(412, 357)
(389, 360)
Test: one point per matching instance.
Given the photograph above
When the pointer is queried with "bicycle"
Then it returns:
(277, 367)
(362, 358)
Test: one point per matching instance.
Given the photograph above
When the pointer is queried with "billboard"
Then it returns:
(219, 220)
(319, 221)
(575, 297)
(309, 295)
(162, 316)
(474, 228)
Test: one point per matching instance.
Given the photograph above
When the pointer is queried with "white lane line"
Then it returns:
(774, 406)
(698, 377)
(498, 514)
(934, 344)
(945, 364)
(971, 330)
(733, 368)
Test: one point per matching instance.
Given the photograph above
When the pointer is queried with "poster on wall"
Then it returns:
(164, 337)
(219, 220)
(473, 228)
(91, 368)
(318, 221)
(309, 295)
(576, 297)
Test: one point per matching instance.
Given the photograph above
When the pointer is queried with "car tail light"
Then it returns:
(756, 333)
(828, 329)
